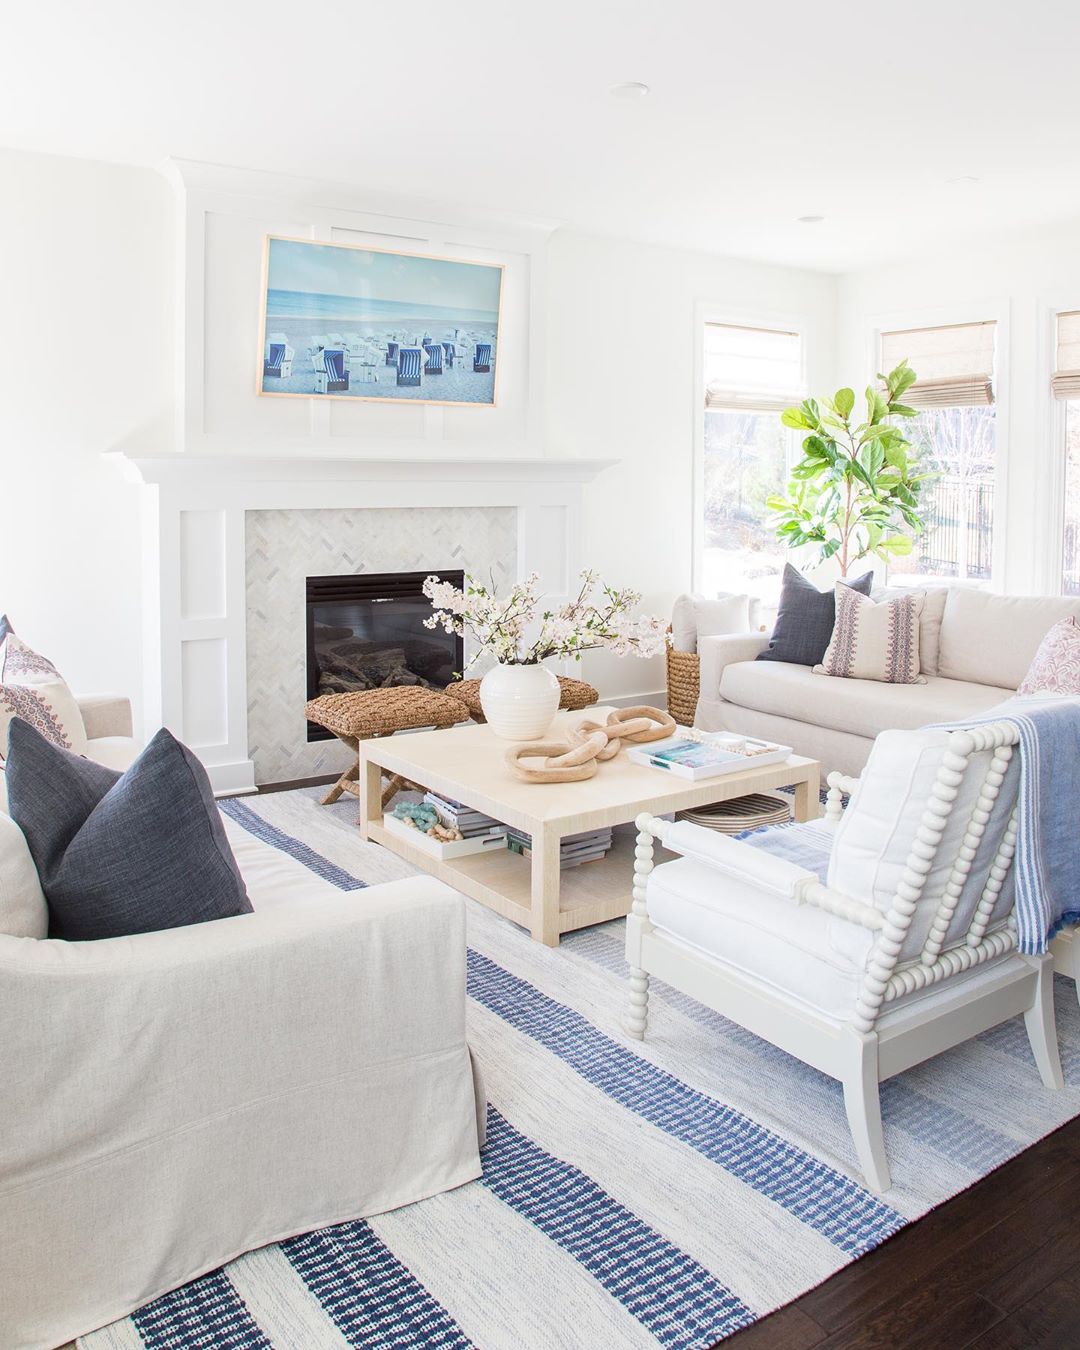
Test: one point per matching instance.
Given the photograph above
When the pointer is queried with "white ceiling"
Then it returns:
(759, 112)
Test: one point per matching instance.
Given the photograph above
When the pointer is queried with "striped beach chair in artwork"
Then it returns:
(333, 378)
(449, 352)
(278, 357)
(410, 363)
(391, 353)
(482, 358)
(434, 363)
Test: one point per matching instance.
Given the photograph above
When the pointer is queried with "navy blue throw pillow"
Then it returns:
(122, 853)
(805, 618)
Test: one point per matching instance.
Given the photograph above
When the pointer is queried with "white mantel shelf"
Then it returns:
(195, 572)
(186, 468)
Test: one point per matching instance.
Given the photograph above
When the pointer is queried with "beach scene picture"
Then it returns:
(341, 321)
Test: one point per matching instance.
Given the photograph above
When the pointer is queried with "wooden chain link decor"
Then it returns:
(590, 743)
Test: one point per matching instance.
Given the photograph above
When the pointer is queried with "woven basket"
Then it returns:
(683, 685)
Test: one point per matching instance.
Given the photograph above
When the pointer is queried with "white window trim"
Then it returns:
(1049, 460)
(997, 309)
(706, 312)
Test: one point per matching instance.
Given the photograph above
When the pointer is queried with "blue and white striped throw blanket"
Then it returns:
(1047, 862)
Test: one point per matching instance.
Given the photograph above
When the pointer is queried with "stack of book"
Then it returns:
(456, 816)
(574, 849)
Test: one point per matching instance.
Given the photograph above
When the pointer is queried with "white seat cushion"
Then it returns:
(802, 952)
(861, 707)
(115, 752)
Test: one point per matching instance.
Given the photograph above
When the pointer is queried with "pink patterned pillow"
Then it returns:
(1056, 668)
(32, 688)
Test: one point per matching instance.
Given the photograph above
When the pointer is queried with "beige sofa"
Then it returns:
(175, 1098)
(975, 649)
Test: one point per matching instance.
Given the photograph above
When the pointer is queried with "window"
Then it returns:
(751, 376)
(1066, 389)
(955, 436)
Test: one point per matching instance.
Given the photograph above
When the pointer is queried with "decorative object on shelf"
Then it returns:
(752, 812)
(590, 743)
(434, 321)
(519, 696)
(425, 819)
(855, 486)
(368, 713)
(573, 695)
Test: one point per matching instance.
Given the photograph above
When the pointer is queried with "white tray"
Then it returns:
(458, 848)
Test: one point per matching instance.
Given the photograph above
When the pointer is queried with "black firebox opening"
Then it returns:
(367, 632)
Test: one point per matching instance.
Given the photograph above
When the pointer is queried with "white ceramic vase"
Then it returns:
(519, 701)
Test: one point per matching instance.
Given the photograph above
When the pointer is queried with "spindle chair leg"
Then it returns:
(1041, 1024)
(863, 1105)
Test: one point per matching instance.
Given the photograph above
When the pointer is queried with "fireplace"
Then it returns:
(367, 632)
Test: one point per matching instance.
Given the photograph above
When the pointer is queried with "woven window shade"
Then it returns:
(756, 369)
(954, 364)
(1065, 381)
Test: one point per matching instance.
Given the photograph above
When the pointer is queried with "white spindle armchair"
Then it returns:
(896, 944)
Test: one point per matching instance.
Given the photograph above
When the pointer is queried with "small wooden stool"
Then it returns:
(367, 713)
(573, 695)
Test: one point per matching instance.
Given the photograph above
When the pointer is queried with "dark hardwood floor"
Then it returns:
(996, 1268)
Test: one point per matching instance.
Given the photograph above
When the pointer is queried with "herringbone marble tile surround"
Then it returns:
(285, 547)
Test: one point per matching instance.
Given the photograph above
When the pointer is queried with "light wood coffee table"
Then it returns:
(466, 764)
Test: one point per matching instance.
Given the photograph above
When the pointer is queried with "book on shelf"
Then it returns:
(590, 846)
(694, 759)
(456, 816)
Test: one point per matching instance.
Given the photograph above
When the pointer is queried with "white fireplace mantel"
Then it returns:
(194, 596)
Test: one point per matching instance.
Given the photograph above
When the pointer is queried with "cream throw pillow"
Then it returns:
(875, 641)
(32, 688)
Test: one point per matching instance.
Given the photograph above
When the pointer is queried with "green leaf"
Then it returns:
(829, 549)
(902, 410)
(815, 447)
(900, 545)
(774, 502)
(794, 418)
(901, 379)
(845, 401)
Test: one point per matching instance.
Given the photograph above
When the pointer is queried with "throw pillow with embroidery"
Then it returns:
(1056, 667)
(875, 641)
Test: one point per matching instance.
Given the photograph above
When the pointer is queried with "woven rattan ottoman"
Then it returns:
(368, 713)
(573, 695)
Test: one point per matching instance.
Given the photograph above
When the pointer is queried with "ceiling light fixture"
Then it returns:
(809, 220)
(963, 178)
(631, 89)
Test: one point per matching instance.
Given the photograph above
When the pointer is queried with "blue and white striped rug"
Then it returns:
(668, 1192)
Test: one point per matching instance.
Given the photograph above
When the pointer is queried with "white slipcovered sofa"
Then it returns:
(975, 649)
(173, 1099)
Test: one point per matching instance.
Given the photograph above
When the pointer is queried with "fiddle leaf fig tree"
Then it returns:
(856, 487)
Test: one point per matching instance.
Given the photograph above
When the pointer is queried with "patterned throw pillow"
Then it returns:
(1056, 668)
(875, 641)
(32, 688)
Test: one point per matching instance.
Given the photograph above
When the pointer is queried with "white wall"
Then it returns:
(623, 331)
(1022, 275)
(85, 367)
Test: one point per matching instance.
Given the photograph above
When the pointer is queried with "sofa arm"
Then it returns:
(726, 650)
(173, 1099)
(111, 1044)
(737, 861)
(106, 715)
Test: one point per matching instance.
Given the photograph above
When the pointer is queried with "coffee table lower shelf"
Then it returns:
(588, 894)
